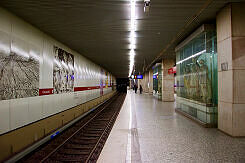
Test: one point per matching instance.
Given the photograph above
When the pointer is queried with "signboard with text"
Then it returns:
(138, 77)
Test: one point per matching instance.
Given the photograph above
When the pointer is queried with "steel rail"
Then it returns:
(57, 148)
(47, 138)
(103, 133)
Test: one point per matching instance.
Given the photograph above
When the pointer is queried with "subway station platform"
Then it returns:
(149, 130)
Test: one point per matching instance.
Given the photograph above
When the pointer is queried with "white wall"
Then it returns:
(15, 113)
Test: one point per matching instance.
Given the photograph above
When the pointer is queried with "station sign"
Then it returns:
(172, 70)
(46, 91)
(138, 76)
(155, 76)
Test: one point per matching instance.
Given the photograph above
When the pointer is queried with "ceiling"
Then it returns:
(99, 29)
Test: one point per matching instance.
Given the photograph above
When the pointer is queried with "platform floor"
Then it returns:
(148, 130)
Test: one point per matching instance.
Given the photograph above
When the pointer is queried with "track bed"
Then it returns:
(83, 141)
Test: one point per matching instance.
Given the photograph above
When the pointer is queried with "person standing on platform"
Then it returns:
(141, 89)
(135, 88)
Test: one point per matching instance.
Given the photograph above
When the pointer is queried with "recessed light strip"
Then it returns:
(132, 36)
(194, 55)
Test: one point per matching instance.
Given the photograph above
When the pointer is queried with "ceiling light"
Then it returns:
(132, 36)
(132, 52)
(132, 46)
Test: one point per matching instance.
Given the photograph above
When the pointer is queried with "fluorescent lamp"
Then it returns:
(194, 55)
(132, 36)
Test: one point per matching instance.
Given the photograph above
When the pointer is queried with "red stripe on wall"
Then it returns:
(46, 91)
(85, 88)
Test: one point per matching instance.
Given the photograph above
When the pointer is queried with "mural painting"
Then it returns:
(197, 70)
(19, 68)
(63, 71)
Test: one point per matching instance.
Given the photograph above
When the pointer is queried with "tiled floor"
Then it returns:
(148, 130)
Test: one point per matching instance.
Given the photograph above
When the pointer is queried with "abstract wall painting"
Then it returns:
(63, 71)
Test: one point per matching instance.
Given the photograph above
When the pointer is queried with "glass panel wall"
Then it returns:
(157, 81)
(197, 82)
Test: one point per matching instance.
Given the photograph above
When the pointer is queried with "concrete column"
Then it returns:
(231, 69)
(167, 81)
(150, 81)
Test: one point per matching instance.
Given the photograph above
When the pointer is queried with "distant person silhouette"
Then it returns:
(141, 89)
(135, 88)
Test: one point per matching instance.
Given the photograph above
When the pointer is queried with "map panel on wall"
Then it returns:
(63, 72)
(19, 68)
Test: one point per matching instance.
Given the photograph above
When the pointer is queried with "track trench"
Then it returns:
(83, 141)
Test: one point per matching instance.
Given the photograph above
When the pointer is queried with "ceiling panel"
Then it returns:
(99, 29)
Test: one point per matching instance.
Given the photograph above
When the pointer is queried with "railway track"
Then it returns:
(84, 141)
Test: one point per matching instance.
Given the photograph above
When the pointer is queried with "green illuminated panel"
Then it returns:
(197, 74)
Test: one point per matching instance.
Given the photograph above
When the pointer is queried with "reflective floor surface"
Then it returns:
(148, 130)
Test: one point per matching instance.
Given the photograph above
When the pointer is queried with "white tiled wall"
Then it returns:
(19, 111)
(16, 113)
(35, 108)
(4, 116)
